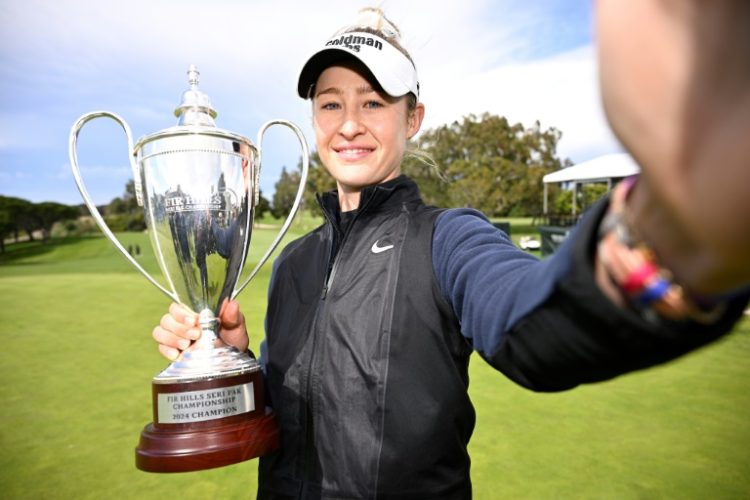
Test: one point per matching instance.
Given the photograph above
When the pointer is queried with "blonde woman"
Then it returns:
(373, 316)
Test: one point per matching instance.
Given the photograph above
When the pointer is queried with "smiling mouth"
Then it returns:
(353, 153)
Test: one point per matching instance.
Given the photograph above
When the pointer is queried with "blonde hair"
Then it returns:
(373, 20)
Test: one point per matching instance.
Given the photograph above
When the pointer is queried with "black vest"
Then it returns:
(366, 369)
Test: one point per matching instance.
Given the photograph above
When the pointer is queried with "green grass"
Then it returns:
(303, 222)
(676, 431)
(77, 362)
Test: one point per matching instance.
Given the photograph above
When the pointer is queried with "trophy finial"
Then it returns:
(195, 108)
(193, 76)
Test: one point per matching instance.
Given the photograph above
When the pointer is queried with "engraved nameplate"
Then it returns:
(208, 404)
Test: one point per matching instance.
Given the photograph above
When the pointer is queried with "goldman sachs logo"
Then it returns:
(353, 42)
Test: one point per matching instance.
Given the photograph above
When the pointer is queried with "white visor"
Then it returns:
(391, 68)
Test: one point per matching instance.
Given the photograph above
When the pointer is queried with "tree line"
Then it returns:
(483, 162)
(19, 217)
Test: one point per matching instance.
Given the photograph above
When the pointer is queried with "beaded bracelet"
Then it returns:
(634, 268)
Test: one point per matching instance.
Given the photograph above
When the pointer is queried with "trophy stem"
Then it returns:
(209, 331)
(208, 357)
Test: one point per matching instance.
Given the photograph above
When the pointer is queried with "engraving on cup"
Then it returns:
(198, 210)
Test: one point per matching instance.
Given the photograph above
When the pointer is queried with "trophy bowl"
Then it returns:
(199, 186)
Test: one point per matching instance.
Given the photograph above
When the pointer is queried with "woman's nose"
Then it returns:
(352, 125)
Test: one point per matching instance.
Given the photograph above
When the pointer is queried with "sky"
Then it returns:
(531, 60)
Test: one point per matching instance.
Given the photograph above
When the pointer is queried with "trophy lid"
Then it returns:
(196, 119)
(195, 108)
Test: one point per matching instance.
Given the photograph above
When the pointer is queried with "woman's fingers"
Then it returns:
(231, 317)
(176, 331)
(179, 327)
(169, 352)
(169, 338)
(233, 331)
(183, 316)
(184, 328)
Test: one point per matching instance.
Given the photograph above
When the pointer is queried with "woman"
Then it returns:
(372, 317)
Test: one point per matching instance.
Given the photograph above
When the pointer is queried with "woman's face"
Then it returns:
(360, 133)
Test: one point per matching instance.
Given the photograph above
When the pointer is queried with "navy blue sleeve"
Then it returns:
(489, 281)
(546, 324)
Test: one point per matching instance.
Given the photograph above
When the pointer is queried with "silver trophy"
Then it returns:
(199, 186)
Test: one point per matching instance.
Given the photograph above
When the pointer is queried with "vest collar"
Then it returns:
(390, 194)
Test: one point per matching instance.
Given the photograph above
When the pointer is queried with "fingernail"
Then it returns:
(183, 344)
(189, 320)
(194, 333)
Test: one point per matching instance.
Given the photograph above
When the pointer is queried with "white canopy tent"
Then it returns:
(607, 168)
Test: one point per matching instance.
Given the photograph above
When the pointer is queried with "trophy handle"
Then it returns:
(297, 199)
(73, 154)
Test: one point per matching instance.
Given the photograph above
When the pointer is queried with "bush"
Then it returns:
(78, 227)
(126, 222)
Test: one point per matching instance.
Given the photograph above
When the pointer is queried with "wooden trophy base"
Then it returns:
(206, 424)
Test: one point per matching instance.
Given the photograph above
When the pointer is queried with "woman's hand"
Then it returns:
(677, 95)
(179, 328)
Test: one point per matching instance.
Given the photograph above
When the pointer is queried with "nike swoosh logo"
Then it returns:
(378, 249)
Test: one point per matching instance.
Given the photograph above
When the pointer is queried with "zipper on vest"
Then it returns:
(329, 279)
(332, 263)
(332, 251)
(308, 473)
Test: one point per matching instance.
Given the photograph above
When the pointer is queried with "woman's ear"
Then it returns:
(415, 120)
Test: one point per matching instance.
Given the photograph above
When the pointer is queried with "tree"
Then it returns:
(49, 212)
(263, 207)
(431, 178)
(123, 213)
(20, 215)
(486, 163)
(481, 162)
(17, 214)
(318, 181)
(587, 195)
(284, 194)
(6, 227)
(116, 206)
(127, 204)
(7, 224)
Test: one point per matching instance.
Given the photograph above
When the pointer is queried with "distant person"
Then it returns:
(372, 317)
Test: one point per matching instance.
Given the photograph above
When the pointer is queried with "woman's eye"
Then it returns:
(330, 106)
(373, 104)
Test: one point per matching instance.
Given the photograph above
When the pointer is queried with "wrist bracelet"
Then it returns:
(634, 268)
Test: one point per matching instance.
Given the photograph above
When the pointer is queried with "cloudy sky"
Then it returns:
(531, 60)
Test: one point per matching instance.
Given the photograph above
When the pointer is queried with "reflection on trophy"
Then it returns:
(199, 187)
